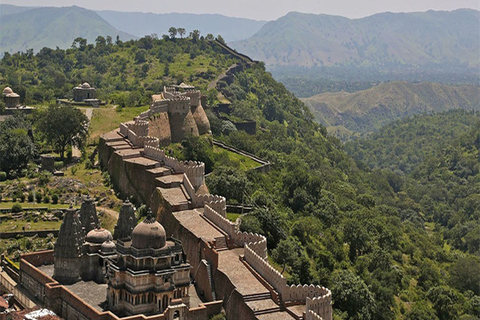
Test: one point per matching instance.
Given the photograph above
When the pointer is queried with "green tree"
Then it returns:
(181, 32)
(16, 146)
(173, 32)
(352, 295)
(287, 252)
(63, 125)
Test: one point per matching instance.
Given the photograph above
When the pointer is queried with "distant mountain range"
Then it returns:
(385, 40)
(141, 24)
(23, 28)
(345, 114)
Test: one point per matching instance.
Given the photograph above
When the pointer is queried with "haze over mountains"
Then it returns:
(25, 28)
(382, 40)
(368, 110)
(141, 24)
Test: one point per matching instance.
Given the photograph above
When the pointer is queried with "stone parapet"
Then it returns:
(317, 298)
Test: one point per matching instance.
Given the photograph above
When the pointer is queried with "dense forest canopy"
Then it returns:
(390, 244)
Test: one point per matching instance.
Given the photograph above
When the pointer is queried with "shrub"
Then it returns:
(30, 197)
(23, 173)
(46, 199)
(16, 208)
(54, 199)
(3, 176)
(58, 165)
(38, 197)
(21, 196)
(44, 178)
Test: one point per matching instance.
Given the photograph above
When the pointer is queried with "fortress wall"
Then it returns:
(140, 127)
(226, 225)
(132, 136)
(189, 124)
(159, 127)
(318, 299)
(124, 129)
(194, 96)
(265, 270)
(154, 153)
(201, 119)
(321, 306)
(151, 142)
(312, 316)
(188, 186)
(217, 203)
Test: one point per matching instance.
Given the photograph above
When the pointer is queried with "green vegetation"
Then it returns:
(389, 244)
(347, 227)
(124, 73)
(63, 126)
(368, 110)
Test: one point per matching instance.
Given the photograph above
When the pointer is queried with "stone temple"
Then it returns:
(11, 99)
(148, 272)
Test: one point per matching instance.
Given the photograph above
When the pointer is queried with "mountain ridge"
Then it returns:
(40, 27)
(384, 39)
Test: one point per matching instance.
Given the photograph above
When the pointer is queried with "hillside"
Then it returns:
(403, 144)
(387, 40)
(385, 252)
(368, 110)
(141, 24)
(35, 28)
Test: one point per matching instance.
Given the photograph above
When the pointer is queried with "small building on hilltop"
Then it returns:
(11, 99)
(83, 92)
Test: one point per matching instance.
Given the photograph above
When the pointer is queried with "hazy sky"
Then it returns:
(260, 9)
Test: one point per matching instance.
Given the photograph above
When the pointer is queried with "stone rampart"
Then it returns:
(317, 298)
(223, 223)
(189, 187)
(124, 129)
(311, 315)
(217, 203)
(255, 242)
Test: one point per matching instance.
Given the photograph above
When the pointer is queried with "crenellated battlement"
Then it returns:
(317, 299)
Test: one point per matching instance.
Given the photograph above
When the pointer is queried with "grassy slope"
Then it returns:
(368, 110)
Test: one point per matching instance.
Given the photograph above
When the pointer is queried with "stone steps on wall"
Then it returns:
(257, 296)
(267, 311)
(209, 274)
(220, 243)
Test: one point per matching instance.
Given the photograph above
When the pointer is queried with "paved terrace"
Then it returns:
(256, 295)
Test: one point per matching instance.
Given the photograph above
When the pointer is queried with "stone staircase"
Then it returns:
(221, 244)
(257, 296)
(210, 281)
(267, 311)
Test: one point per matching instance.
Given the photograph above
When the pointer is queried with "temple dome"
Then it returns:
(149, 234)
(7, 90)
(86, 85)
(99, 235)
(108, 246)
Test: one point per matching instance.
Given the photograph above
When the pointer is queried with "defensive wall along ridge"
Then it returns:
(227, 264)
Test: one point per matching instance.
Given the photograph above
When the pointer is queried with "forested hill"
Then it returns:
(368, 110)
(384, 250)
(385, 40)
(24, 28)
